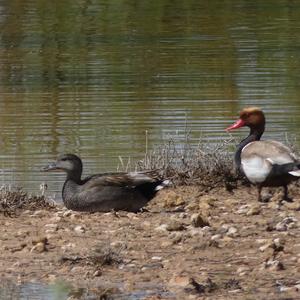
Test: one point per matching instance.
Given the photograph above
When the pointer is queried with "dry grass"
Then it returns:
(208, 165)
(14, 200)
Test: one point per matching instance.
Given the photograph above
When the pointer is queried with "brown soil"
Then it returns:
(189, 245)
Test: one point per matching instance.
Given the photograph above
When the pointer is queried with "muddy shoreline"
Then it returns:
(190, 244)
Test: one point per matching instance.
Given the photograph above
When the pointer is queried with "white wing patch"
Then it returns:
(256, 168)
(295, 173)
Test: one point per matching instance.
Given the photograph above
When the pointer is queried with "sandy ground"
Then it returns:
(190, 244)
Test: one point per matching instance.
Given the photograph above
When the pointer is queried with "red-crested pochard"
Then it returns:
(264, 163)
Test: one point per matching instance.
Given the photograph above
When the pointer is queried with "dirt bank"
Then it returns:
(189, 245)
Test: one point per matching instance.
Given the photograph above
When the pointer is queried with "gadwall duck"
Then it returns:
(264, 163)
(105, 192)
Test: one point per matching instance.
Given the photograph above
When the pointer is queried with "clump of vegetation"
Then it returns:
(207, 165)
(14, 200)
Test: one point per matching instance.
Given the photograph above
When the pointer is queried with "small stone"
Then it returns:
(156, 258)
(146, 224)
(40, 239)
(243, 209)
(97, 273)
(166, 244)
(232, 232)
(67, 213)
(172, 199)
(254, 210)
(197, 232)
(79, 229)
(180, 281)
(297, 287)
(278, 242)
(39, 247)
(152, 266)
(262, 241)
(274, 265)
(175, 225)
(286, 223)
(216, 237)
(162, 227)
(198, 221)
(51, 227)
(243, 270)
(266, 246)
(176, 237)
(75, 216)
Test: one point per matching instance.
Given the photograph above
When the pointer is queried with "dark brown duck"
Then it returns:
(264, 163)
(105, 192)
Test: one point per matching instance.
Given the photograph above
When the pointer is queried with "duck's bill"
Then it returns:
(50, 167)
(239, 123)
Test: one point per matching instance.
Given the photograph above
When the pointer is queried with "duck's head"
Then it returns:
(252, 117)
(69, 163)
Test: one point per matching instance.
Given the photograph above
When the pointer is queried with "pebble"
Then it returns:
(97, 273)
(179, 281)
(262, 241)
(172, 199)
(67, 213)
(146, 224)
(79, 229)
(297, 287)
(274, 265)
(51, 227)
(198, 221)
(216, 237)
(232, 232)
(166, 244)
(175, 225)
(162, 227)
(243, 209)
(243, 270)
(266, 246)
(278, 242)
(39, 247)
(152, 266)
(156, 258)
(254, 210)
(176, 237)
(286, 223)
(197, 232)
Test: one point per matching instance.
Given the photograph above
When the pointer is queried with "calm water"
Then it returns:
(90, 77)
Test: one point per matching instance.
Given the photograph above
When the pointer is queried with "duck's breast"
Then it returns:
(258, 157)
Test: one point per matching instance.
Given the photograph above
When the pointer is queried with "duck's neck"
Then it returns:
(254, 135)
(72, 184)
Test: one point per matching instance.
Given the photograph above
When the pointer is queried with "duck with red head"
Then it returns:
(264, 163)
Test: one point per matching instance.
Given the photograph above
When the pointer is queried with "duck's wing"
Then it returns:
(131, 179)
(274, 151)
